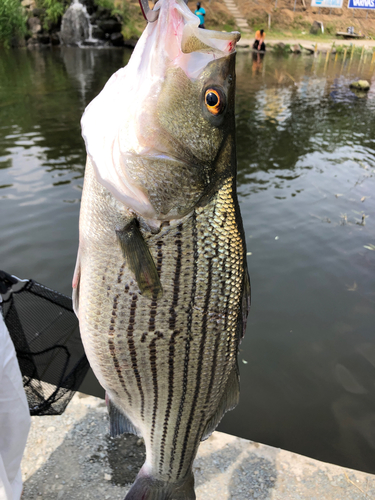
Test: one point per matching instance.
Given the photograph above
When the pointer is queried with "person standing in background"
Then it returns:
(14, 418)
(200, 12)
(259, 40)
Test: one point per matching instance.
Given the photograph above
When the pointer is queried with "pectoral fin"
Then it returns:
(139, 260)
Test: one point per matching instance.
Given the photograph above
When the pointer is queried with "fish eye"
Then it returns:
(214, 102)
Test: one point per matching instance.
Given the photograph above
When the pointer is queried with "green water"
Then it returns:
(306, 171)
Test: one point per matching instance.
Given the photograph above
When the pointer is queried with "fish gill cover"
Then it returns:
(113, 124)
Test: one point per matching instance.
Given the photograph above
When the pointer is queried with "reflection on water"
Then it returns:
(306, 182)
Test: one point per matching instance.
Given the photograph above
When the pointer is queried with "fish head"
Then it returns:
(160, 135)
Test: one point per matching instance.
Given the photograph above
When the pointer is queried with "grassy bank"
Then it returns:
(278, 17)
(288, 19)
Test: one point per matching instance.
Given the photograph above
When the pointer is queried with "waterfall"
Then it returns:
(76, 28)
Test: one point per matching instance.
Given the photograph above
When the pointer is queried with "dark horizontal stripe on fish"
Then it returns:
(217, 339)
(172, 323)
(121, 272)
(199, 367)
(154, 304)
(152, 348)
(133, 352)
(176, 279)
(172, 342)
(112, 348)
(188, 339)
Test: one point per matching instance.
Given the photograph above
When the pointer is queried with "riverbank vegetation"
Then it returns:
(12, 21)
(280, 18)
(54, 10)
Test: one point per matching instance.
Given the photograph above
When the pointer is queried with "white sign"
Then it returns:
(328, 4)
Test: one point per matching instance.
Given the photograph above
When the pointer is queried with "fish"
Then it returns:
(161, 287)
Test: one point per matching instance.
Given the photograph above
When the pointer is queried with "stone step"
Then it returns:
(237, 15)
(239, 20)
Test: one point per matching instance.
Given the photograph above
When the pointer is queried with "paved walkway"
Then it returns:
(71, 457)
(240, 20)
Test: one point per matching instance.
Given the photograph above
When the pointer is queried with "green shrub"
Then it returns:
(105, 4)
(53, 11)
(12, 21)
(121, 10)
(330, 29)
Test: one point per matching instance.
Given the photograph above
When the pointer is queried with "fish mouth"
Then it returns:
(117, 124)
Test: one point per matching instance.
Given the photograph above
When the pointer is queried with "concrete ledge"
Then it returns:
(71, 457)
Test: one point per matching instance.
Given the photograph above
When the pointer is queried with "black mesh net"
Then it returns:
(45, 333)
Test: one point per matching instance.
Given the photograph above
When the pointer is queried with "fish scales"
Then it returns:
(174, 355)
(161, 287)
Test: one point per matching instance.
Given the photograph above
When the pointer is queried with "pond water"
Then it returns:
(306, 181)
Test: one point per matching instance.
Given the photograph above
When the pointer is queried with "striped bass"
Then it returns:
(161, 288)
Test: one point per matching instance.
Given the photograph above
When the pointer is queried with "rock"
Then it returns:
(308, 50)
(90, 6)
(360, 85)
(98, 33)
(28, 4)
(34, 25)
(316, 28)
(44, 39)
(33, 43)
(38, 12)
(17, 42)
(109, 25)
(117, 39)
(55, 39)
(296, 49)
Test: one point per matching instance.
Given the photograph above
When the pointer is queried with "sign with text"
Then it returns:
(361, 4)
(329, 4)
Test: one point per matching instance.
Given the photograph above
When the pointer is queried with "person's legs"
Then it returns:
(14, 419)
(263, 46)
(255, 45)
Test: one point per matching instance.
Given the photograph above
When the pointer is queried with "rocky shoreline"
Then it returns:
(72, 457)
